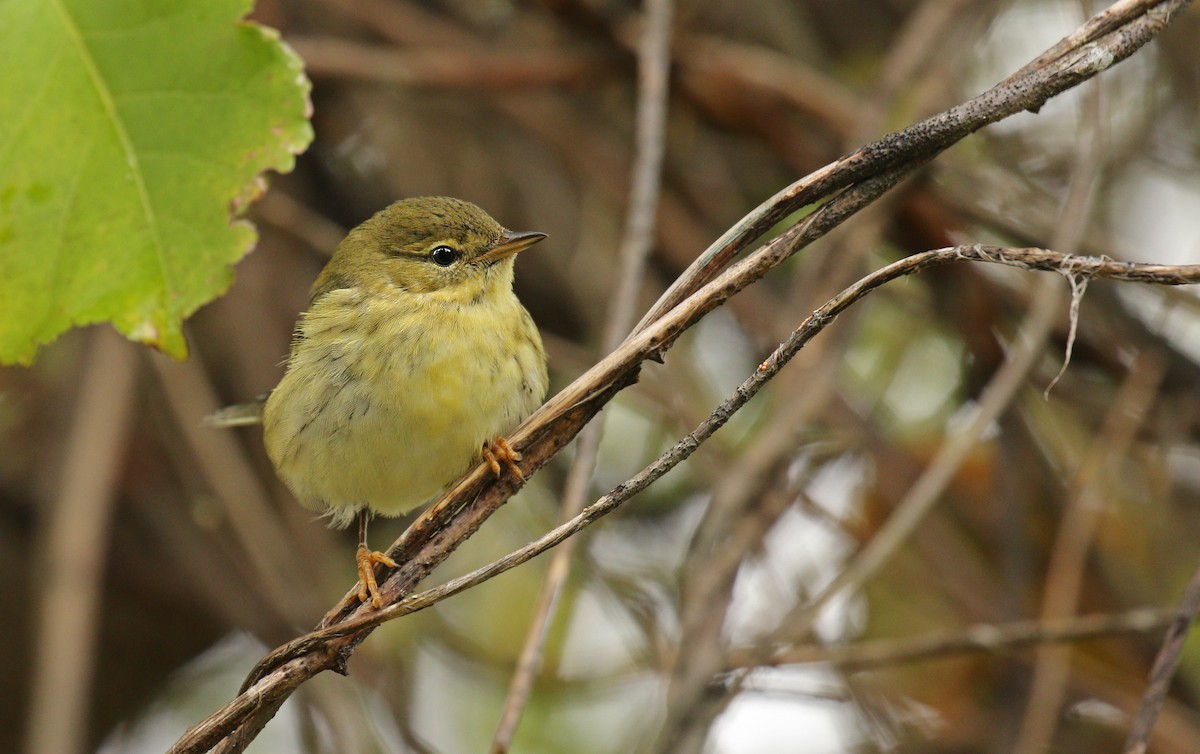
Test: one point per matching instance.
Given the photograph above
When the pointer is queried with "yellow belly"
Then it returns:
(388, 399)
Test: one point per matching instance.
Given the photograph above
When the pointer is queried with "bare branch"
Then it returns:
(1164, 669)
(845, 186)
(281, 672)
(1064, 579)
(653, 67)
(74, 547)
(984, 638)
(327, 57)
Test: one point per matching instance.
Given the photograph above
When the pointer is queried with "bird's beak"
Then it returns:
(510, 243)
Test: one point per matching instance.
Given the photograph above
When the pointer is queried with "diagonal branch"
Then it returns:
(845, 187)
(1026, 259)
(1164, 669)
(286, 668)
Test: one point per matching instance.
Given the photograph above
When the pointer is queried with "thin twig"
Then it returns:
(1164, 669)
(1027, 258)
(862, 177)
(803, 86)
(1090, 52)
(987, 638)
(1068, 559)
(920, 499)
(292, 216)
(746, 502)
(321, 650)
(435, 66)
(239, 490)
(71, 573)
(997, 395)
(1051, 668)
(653, 65)
(713, 559)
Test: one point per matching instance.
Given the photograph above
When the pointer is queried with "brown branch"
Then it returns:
(1029, 259)
(1051, 666)
(73, 550)
(638, 240)
(724, 536)
(802, 86)
(861, 178)
(328, 648)
(1068, 558)
(238, 490)
(1164, 669)
(327, 57)
(1094, 48)
(983, 638)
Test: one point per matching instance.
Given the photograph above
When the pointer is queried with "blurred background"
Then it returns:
(1085, 501)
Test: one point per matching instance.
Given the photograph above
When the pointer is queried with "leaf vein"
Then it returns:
(131, 156)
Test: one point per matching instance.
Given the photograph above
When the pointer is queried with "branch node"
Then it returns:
(341, 661)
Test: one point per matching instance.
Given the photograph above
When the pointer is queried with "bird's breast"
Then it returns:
(388, 398)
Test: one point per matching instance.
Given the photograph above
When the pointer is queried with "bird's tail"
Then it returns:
(239, 415)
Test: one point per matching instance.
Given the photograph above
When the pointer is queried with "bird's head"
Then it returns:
(433, 244)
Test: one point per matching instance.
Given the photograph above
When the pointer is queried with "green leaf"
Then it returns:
(132, 134)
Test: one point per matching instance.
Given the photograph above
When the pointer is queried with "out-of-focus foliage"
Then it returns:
(527, 109)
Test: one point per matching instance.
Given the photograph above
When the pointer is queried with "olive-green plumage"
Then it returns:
(414, 352)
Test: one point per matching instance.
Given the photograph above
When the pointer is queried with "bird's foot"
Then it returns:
(497, 452)
(366, 561)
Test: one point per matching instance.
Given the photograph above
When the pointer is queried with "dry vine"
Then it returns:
(844, 187)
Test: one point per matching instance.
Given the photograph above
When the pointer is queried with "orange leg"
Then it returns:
(498, 451)
(366, 559)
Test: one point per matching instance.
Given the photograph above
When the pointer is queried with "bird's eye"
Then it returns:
(444, 256)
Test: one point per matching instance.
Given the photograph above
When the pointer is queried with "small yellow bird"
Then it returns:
(413, 359)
